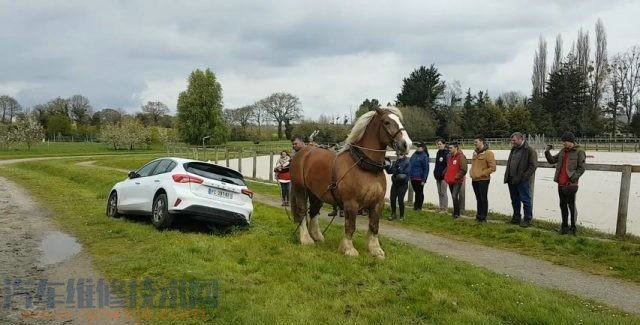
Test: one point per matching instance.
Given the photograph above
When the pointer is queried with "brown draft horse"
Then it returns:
(352, 178)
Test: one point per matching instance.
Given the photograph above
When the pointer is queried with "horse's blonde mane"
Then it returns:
(361, 124)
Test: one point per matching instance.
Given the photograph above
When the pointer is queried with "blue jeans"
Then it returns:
(521, 195)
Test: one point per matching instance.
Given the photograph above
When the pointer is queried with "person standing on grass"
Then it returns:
(399, 172)
(438, 173)
(569, 167)
(283, 176)
(522, 163)
(454, 176)
(483, 165)
(419, 165)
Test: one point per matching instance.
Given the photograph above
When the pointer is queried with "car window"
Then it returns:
(215, 172)
(162, 167)
(148, 168)
(171, 166)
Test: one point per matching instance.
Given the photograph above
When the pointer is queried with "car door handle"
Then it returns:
(156, 180)
(138, 183)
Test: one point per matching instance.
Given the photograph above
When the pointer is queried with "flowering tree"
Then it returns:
(27, 131)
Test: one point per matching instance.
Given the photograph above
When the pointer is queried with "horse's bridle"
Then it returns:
(392, 136)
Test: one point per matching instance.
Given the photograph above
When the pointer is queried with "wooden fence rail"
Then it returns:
(623, 199)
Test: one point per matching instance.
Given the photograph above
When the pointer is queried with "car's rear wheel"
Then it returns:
(161, 218)
(112, 205)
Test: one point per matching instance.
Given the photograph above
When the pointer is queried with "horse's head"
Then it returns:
(392, 132)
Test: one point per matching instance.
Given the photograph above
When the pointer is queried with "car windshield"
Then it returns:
(215, 172)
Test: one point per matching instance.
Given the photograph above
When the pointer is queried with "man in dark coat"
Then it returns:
(521, 165)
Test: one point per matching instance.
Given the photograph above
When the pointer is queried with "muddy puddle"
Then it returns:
(57, 247)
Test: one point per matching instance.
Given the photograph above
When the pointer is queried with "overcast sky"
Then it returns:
(332, 54)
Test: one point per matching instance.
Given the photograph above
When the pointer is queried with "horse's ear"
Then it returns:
(379, 111)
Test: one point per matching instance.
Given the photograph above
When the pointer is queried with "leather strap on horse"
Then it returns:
(364, 162)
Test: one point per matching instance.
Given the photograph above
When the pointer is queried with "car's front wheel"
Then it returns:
(112, 205)
(161, 218)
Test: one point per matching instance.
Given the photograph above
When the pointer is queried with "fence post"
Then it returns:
(255, 162)
(623, 141)
(240, 161)
(623, 201)
(609, 144)
(597, 142)
(532, 185)
(226, 155)
(271, 166)
(216, 155)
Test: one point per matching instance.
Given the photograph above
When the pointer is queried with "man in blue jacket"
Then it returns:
(419, 171)
(438, 173)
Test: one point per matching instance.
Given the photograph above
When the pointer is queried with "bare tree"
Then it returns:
(155, 110)
(259, 116)
(557, 57)
(539, 77)
(10, 108)
(80, 109)
(242, 116)
(601, 65)
(281, 107)
(583, 51)
(625, 69)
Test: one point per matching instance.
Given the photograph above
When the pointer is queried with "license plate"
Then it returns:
(220, 193)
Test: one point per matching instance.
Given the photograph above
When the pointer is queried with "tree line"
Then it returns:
(586, 92)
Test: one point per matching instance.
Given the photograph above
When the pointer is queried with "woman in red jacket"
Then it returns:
(456, 171)
(284, 176)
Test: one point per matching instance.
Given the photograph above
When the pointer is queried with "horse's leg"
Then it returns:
(374, 220)
(315, 204)
(346, 245)
(299, 209)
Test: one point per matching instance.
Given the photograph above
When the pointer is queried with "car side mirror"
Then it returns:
(133, 174)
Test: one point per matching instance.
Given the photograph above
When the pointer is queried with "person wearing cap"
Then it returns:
(522, 163)
(483, 165)
(454, 176)
(569, 167)
(419, 165)
(399, 171)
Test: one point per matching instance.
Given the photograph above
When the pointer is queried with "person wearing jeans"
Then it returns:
(569, 167)
(283, 176)
(419, 169)
(482, 166)
(456, 171)
(521, 165)
(438, 173)
(399, 172)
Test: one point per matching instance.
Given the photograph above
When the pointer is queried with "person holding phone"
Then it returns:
(569, 163)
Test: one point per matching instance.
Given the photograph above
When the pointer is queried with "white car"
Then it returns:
(167, 187)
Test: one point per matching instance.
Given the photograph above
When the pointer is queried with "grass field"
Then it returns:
(265, 277)
(592, 251)
(52, 149)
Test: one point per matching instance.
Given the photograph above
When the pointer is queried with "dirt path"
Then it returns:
(613, 292)
(33, 249)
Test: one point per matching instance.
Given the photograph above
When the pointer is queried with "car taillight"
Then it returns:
(247, 192)
(182, 178)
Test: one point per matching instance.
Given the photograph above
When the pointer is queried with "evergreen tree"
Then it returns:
(422, 88)
(468, 117)
(200, 109)
(567, 98)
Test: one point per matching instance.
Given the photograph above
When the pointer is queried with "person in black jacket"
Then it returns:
(439, 171)
(522, 163)
(399, 172)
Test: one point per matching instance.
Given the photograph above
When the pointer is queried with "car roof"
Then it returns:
(184, 160)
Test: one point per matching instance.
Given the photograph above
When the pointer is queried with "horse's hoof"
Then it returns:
(306, 240)
(379, 254)
(352, 252)
(317, 237)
